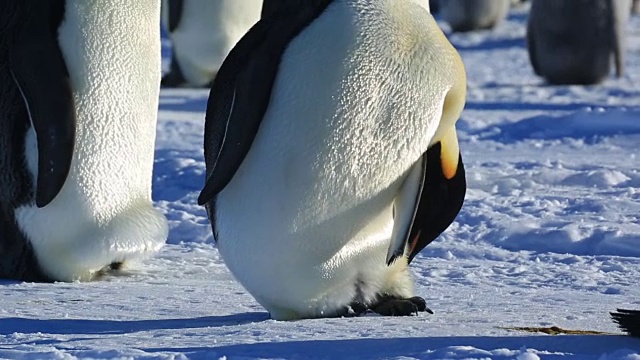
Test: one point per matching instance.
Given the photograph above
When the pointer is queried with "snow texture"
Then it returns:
(549, 236)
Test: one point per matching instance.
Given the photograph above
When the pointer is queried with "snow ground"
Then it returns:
(549, 236)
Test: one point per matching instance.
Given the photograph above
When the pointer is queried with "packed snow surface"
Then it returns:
(549, 236)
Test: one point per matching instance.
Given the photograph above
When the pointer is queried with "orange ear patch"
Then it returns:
(450, 153)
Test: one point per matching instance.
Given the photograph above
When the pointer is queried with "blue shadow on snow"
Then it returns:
(84, 327)
(555, 347)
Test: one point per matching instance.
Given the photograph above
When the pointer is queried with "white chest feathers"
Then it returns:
(207, 31)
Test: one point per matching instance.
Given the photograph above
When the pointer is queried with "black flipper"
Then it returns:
(440, 201)
(628, 321)
(241, 93)
(175, 14)
(38, 67)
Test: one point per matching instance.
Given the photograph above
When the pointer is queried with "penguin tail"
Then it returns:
(628, 321)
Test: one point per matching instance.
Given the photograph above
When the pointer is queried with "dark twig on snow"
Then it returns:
(628, 321)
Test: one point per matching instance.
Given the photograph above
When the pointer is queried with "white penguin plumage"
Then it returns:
(470, 15)
(306, 223)
(103, 213)
(205, 33)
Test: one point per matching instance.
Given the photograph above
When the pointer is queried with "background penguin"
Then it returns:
(469, 15)
(202, 33)
(635, 9)
(79, 87)
(571, 42)
(332, 157)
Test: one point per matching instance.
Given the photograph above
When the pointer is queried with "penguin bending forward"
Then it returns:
(79, 86)
(332, 156)
(202, 33)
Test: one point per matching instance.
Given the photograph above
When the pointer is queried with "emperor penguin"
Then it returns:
(202, 33)
(572, 42)
(79, 88)
(331, 154)
(635, 7)
(470, 15)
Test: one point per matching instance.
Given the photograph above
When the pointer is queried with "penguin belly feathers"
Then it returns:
(332, 157)
(202, 33)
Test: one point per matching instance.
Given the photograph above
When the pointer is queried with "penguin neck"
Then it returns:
(272, 7)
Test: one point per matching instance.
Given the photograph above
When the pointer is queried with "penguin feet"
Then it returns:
(389, 305)
(109, 269)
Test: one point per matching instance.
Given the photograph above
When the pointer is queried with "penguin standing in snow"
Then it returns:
(202, 33)
(573, 42)
(470, 15)
(332, 155)
(79, 86)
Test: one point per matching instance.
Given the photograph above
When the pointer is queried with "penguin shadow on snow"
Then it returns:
(9, 326)
(555, 347)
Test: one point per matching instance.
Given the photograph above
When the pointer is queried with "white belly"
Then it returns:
(103, 212)
(207, 32)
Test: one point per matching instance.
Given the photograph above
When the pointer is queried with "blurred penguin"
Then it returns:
(571, 42)
(202, 33)
(469, 15)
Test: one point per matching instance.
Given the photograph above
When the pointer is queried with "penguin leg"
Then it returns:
(174, 77)
(390, 305)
